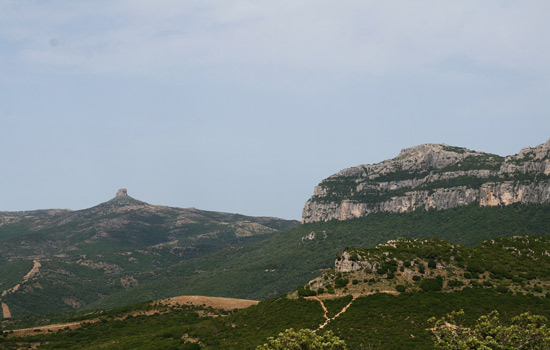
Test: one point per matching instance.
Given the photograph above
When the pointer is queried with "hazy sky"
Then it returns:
(244, 106)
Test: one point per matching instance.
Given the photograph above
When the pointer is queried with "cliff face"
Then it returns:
(432, 176)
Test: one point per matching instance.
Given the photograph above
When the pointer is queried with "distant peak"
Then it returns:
(122, 199)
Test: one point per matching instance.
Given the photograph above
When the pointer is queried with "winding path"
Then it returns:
(328, 319)
(35, 269)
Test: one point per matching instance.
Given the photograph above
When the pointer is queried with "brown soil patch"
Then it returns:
(227, 304)
(5, 311)
(25, 332)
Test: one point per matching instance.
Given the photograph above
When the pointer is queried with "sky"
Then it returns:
(244, 106)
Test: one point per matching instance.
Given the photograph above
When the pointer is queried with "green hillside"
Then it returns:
(259, 266)
(287, 259)
(372, 321)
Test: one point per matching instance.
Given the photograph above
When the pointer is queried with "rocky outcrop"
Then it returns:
(432, 176)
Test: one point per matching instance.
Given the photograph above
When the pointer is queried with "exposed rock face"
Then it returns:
(432, 176)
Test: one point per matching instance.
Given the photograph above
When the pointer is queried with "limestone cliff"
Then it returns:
(432, 176)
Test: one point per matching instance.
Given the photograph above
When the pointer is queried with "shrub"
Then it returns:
(475, 267)
(421, 268)
(454, 283)
(432, 264)
(341, 282)
(502, 289)
(416, 278)
(400, 288)
(305, 291)
(431, 285)
(304, 339)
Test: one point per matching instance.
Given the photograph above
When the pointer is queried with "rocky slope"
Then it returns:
(518, 264)
(432, 176)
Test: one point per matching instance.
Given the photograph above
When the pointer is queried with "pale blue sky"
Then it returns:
(244, 106)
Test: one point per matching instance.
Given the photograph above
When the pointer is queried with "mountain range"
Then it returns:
(435, 218)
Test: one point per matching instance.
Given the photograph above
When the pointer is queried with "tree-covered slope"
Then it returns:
(370, 320)
(290, 258)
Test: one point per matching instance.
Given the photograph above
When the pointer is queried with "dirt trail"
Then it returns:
(35, 268)
(6, 311)
(24, 332)
(328, 319)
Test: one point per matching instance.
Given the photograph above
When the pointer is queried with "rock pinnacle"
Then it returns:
(122, 193)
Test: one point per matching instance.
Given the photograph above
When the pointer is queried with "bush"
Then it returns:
(431, 285)
(454, 283)
(432, 264)
(304, 339)
(341, 282)
(502, 289)
(416, 278)
(475, 268)
(421, 268)
(306, 292)
(400, 288)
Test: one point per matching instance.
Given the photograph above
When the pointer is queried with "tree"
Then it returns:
(304, 339)
(526, 331)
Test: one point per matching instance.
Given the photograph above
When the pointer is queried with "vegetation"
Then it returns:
(370, 322)
(304, 339)
(525, 331)
(263, 266)
(511, 264)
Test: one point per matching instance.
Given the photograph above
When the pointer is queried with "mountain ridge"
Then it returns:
(432, 176)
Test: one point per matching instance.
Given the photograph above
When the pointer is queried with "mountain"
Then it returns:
(124, 223)
(433, 176)
(61, 260)
(127, 251)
